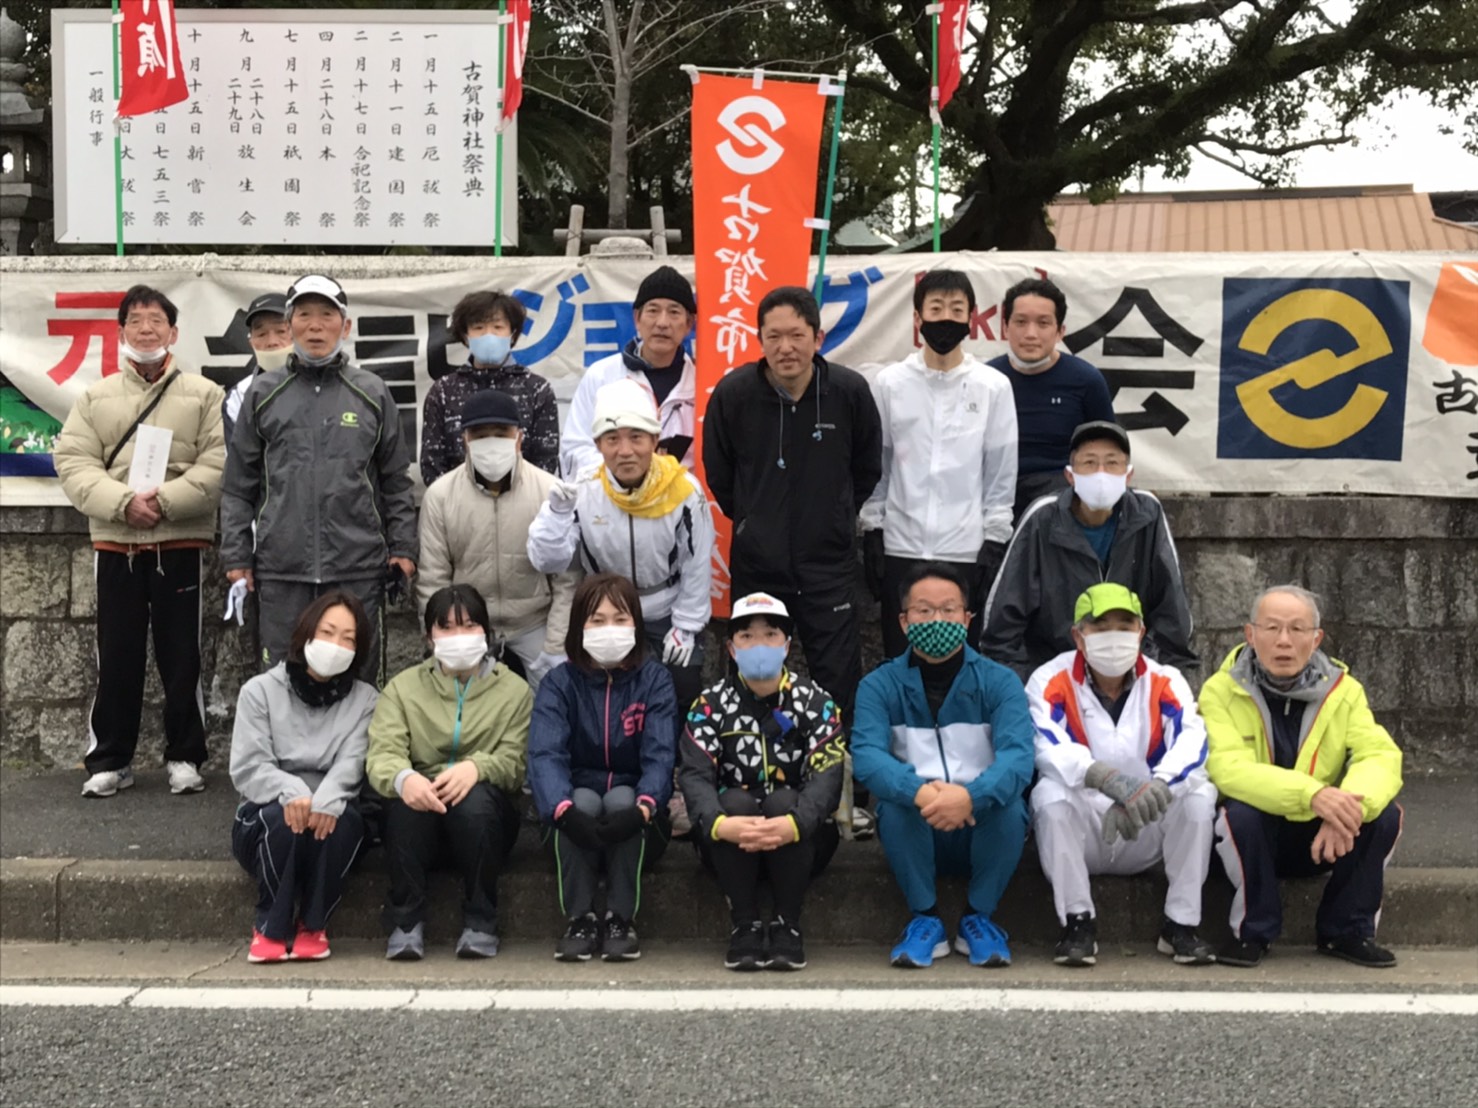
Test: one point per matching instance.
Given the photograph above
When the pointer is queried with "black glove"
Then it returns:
(991, 555)
(622, 824)
(582, 828)
(394, 585)
(872, 562)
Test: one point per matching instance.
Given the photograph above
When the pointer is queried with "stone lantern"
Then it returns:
(25, 167)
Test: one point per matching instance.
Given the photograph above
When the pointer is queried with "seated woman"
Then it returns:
(447, 750)
(761, 769)
(297, 759)
(601, 753)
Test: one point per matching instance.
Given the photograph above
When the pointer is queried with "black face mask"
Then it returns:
(943, 335)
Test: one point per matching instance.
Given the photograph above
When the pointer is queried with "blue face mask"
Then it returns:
(760, 663)
(489, 349)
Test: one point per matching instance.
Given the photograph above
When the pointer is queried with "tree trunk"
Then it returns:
(1013, 217)
(618, 177)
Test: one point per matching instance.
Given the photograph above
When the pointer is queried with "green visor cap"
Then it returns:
(1104, 598)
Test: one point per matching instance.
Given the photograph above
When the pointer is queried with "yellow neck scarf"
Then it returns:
(664, 488)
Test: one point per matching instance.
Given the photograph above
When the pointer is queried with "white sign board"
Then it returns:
(303, 127)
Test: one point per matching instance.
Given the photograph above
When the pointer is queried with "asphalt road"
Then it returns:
(122, 1057)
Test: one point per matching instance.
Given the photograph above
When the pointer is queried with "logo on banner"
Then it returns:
(1313, 369)
(750, 135)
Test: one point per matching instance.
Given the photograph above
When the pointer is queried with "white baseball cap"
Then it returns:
(761, 604)
(316, 284)
(624, 403)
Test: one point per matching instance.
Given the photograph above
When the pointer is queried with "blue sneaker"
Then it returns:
(923, 940)
(982, 941)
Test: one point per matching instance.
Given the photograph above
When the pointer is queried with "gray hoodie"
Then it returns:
(282, 749)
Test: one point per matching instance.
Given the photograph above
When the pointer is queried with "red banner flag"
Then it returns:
(756, 150)
(149, 44)
(953, 17)
(517, 46)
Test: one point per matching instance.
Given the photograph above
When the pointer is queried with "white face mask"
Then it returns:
(327, 659)
(1101, 491)
(493, 458)
(608, 646)
(459, 652)
(273, 359)
(142, 357)
(1111, 653)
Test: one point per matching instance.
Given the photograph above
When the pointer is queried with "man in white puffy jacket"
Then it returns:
(641, 515)
(475, 524)
(949, 458)
(1121, 759)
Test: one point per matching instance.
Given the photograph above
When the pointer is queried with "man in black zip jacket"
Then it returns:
(792, 447)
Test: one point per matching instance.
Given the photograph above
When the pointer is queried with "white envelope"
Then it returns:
(150, 463)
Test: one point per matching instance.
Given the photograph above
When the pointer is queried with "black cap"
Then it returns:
(1099, 429)
(490, 408)
(269, 303)
(666, 283)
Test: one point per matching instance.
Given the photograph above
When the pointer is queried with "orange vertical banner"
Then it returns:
(756, 152)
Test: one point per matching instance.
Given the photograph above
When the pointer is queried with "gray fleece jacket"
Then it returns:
(282, 749)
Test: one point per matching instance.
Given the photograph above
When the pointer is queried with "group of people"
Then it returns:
(1035, 622)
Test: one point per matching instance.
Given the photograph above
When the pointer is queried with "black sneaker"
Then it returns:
(747, 948)
(1180, 941)
(1360, 949)
(618, 943)
(786, 950)
(581, 940)
(1079, 943)
(1245, 953)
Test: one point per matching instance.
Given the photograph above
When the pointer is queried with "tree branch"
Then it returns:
(1266, 181)
(537, 91)
(1239, 146)
(1176, 14)
(650, 131)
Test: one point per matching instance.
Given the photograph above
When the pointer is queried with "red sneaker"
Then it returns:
(310, 946)
(263, 949)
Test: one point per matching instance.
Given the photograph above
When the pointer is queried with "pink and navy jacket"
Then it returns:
(1159, 732)
(600, 729)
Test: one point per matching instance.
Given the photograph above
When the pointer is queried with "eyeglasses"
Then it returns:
(922, 613)
(1277, 630)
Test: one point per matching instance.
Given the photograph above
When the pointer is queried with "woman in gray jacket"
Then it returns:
(297, 758)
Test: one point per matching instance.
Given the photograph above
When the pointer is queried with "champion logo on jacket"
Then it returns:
(1166, 714)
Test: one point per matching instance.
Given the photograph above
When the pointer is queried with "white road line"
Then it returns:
(776, 1000)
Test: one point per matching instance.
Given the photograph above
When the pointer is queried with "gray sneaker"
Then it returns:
(406, 946)
(477, 944)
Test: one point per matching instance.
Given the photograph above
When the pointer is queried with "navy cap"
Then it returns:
(490, 408)
(269, 303)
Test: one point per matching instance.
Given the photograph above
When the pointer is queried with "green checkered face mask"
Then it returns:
(937, 638)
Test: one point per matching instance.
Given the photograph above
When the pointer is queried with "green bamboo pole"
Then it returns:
(831, 176)
(934, 106)
(498, 138)
(117, 137)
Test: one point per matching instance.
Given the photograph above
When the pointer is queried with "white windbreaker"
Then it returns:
(577, 450)
(669, 560)
(1159, 732)
(949, 460)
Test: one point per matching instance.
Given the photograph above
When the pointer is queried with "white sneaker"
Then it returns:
(108, 782)
(184, 778)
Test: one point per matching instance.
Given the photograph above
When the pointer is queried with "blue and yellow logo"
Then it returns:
(1313, 368)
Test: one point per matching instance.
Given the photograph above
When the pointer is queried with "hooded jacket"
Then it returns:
(190, 409)
(1029, 612)
(319, 464)
(469, 535)
(577, 450)
(792, 474)
(598, 729)
(981, 738)
(1340, 742)
(283, 749)
(949, 460)
(441, 419)
(735, 741)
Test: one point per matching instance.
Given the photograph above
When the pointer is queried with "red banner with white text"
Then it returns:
(516, 46)
(153, 73)
(953, 15)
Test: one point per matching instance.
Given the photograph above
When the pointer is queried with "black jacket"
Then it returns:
(1029, 613)
(792, 475)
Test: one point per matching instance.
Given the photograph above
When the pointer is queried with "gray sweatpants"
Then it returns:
(280, 603)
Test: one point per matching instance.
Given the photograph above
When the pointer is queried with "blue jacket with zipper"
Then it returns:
(597, 729)
(983, 737)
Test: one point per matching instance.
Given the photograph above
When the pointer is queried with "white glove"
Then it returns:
(677, 647)
(236, 603)
(562, 496)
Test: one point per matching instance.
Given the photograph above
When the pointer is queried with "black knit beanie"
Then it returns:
(666, 283)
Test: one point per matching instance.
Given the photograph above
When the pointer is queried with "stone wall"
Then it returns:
(1399, 578)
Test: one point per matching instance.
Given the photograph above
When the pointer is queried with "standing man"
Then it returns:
(475, 529)
(1121, 756)
(271, 342)
(1055, 392)
(489, 324)
(1308, 783)
(792, 449)
(663, 312)
(949, 458)
(1096, 529)
(148, 540)
(318, 463)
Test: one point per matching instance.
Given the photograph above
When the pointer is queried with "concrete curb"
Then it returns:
(855, 901)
